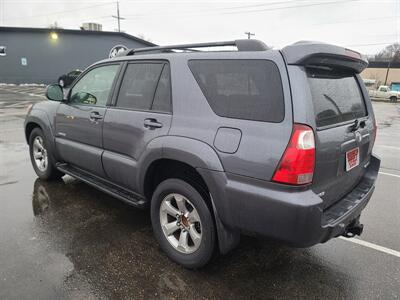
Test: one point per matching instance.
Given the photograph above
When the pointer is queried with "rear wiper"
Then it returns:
(333, 103)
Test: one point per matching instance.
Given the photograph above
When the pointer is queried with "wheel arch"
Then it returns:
(39, 119)
(193, 153)
(29, 127)
(164, 168)
(183, 158)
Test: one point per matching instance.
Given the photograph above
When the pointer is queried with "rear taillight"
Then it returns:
(297, 164)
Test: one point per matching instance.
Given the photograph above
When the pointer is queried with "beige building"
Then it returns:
(377, 71)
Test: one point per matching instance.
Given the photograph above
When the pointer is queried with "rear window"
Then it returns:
(241, 89)
(336, 98)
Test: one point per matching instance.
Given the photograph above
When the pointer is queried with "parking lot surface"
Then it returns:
(66, 240)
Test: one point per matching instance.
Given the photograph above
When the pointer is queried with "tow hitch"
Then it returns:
(354, 228)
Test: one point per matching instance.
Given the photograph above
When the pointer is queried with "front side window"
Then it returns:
(95, 86)
(241, 89)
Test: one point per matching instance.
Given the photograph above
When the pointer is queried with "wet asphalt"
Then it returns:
(66, 240)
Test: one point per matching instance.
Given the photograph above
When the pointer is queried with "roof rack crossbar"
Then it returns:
(242, 45)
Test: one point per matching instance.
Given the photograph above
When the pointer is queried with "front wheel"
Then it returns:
(182, 223)
(41, 157)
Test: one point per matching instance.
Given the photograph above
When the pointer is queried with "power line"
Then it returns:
(255, 5)
(62, 12)
(246, 11)
(289, 7)
(371, 44)
(351, 21)
(231, 8)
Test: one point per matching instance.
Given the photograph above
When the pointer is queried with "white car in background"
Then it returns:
(384, 92)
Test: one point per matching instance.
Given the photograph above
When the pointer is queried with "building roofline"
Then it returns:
(74, 31)
(383, 65)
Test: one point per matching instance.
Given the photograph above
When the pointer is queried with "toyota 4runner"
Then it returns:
(276, 143)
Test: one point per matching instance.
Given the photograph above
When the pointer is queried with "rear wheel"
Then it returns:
(182, 223)
(393, 99)
(42, 159)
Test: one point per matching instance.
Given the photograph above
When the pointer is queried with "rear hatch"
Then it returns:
(328, 95)
(344, 133)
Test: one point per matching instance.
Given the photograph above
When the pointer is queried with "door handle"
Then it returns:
(94, 115)
(152, 123)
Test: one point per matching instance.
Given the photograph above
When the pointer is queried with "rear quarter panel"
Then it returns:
(261, 143)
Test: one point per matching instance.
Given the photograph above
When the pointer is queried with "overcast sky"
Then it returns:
(363, 25)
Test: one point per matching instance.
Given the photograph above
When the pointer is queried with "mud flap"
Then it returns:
(228, 238)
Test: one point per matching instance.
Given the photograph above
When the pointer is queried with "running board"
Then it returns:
(103, 185)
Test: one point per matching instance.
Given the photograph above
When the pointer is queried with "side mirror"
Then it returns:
(54, 92)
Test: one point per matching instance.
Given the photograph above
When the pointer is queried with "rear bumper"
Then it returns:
(294, 216)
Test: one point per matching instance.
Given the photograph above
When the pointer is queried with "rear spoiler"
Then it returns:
(320, 54)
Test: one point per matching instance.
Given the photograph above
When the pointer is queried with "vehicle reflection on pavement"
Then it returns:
(113, 253)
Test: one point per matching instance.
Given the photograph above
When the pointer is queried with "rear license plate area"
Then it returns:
(352, 158)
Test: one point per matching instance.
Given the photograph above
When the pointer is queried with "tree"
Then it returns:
(391, 52)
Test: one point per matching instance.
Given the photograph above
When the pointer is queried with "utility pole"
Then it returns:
(249, 34)
(387, 71)
(391, 59)
(118, 17)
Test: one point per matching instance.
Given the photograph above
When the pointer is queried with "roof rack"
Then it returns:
(241, 45)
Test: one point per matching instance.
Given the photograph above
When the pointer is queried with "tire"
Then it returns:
(393, 99)
(200, 226)
(42, 159)
(61, 82)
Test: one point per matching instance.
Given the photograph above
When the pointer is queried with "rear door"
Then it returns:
(344, 131)
(142, 111)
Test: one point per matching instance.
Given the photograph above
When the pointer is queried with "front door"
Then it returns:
(79, 119)
(142, 112)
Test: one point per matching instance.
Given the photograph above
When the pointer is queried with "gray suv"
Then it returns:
(276, 143)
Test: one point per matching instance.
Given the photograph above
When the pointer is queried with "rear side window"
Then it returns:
(162, 98)
(241, 89)
(139, 85)
(336, 98)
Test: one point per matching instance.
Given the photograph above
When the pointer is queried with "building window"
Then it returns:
(2, 50)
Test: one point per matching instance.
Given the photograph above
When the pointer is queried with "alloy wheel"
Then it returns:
(40, 154)
(180, 223)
